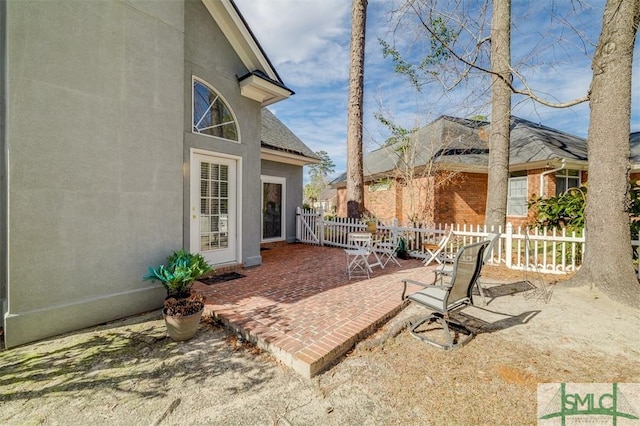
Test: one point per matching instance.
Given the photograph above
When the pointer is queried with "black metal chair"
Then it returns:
(443, 300)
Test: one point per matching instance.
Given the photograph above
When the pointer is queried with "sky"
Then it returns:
(307, 41)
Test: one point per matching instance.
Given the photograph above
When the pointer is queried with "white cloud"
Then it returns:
(306, 40)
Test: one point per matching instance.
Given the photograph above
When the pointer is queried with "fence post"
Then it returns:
(321, 227)
(508, 244)
(394, 230)
(298, 227)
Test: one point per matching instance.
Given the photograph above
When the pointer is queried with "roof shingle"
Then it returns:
(275, 135)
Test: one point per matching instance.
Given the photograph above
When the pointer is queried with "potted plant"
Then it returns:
(181, 312)
(371, 222)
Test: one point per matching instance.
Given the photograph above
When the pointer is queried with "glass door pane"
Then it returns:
(214, 181)
(271, 210)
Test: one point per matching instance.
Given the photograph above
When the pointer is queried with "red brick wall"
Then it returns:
(417, 201)
(463, 200)
(382, 203)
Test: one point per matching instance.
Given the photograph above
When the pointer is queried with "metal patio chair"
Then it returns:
(387, 250)
(434, 251)
(443, 300)
(360, 247)
(446, 270)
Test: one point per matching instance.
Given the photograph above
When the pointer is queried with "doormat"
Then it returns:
(221, 278)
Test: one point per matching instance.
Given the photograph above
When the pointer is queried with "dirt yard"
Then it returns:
(129, 373)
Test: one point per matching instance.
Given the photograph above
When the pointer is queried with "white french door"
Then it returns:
(213, 209)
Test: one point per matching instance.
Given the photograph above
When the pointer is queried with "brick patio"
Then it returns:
(300, 306)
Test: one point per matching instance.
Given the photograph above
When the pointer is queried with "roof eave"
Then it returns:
(259, 89)
(244, 43)
(550, 164)
(286, 157)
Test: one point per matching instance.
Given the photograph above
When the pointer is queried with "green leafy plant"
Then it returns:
(180, 272)
(567, 210)
(401, 251)
(562, 211)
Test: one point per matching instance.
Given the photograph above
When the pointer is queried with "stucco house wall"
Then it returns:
(94, 135)
(3, 159)
(210, 57)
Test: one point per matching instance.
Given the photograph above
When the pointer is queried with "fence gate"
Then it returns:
(309, 226)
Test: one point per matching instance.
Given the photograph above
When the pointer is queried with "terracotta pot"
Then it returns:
(183, 327)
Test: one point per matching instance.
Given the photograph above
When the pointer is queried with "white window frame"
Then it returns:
(564, 175)
(195, 79)
(516, 202)
(283, 216)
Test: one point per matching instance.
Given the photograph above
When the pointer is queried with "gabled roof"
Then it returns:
(444, 139)
(531, 142)
(458, 143)
(281, 144)
(261, 83)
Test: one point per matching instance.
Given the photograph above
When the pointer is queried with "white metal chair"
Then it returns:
(360, 247)
(443, 300)
(387, 250)
(434, 251)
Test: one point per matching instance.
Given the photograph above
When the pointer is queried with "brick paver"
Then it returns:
(300, 305)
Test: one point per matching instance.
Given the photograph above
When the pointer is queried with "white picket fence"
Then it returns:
(547, 251)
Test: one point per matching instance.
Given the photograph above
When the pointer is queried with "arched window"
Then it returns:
(211, 115)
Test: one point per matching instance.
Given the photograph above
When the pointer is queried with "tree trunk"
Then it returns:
(608, 254)
(355, 178)
(498, 178)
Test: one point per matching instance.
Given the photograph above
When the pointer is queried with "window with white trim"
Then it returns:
(211, 115)
(566, 179)
(517, 195)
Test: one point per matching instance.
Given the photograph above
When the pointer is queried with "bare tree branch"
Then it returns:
(528, 92)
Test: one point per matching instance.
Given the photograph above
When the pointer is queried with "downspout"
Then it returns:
(543, 174)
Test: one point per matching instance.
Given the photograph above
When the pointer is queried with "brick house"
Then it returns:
(440, 176)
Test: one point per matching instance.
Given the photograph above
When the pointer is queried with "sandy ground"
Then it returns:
(129, 373)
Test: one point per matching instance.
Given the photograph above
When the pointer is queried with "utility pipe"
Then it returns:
(543, 174)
